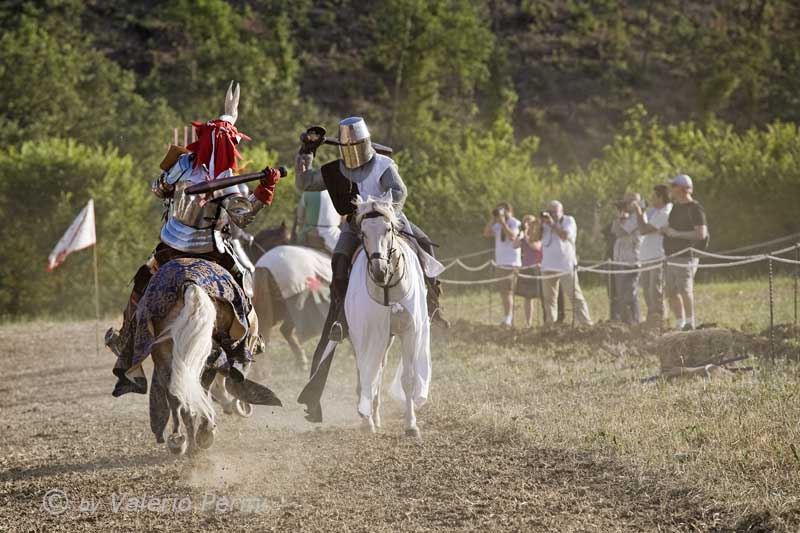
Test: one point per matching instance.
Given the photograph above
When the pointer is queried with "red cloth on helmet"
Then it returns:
(266, 189)
(217, 138)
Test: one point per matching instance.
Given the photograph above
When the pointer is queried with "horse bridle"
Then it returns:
(397, 274)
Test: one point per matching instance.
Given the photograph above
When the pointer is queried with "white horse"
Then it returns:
(386, 298)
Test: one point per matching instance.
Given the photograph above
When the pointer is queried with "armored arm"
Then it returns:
(242, 207)
(306, 177)
(161, 188)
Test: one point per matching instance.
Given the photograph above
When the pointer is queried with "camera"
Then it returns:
(544, 214)
(498, 212)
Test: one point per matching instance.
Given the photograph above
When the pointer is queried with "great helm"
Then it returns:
(355, 146)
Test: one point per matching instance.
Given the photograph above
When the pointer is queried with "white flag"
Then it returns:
(79, 235)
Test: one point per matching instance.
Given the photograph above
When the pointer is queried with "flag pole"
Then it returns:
(96, 303)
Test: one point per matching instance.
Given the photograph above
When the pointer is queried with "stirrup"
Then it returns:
(437, 317)
(337, 333)
(111, 341)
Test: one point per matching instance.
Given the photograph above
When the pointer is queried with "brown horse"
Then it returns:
(268, 302)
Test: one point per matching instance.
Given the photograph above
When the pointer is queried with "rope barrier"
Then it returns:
(478, 282)
(593, 270)
(725, 254)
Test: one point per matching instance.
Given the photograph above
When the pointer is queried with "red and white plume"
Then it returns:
(216, 142)
(79, 235)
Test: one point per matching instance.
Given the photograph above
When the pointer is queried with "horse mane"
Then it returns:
(383, 205)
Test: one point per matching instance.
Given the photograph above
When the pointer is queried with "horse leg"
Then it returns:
(159, 406)
(191, 430)
(376, 401)
(221, 395)
(407, 379)
(207, 429)
(288, 332)
(176, 442)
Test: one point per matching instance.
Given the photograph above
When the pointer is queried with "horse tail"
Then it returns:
(191, 335)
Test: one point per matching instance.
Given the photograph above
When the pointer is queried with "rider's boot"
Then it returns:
(340, 264)
(435, 310)
(239, 357)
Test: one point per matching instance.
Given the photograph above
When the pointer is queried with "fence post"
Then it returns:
(691, 266)
(771, 313)
(574, 291)
(796, 277)
(662, 289)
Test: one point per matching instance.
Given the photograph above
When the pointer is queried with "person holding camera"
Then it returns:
(651, 222)
(530, 246)
(560, 261)
(627, 243)
(505, 229)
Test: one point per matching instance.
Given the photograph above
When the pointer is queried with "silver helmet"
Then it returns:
(355, 146)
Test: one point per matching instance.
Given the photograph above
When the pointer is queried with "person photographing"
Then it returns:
(559, 260)
(627, 244)
(505, 229)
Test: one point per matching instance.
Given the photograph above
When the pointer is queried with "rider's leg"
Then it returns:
(121, 343)
(434, 292)
(340, 267)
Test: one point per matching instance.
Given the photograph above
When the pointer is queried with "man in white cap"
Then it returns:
(559, 232)
(687, 228)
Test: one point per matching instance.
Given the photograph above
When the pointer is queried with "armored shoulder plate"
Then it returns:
(179, 169)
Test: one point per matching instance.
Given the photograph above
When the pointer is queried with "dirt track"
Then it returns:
(62, 430)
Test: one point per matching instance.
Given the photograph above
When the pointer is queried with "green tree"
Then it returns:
(56, 84)
(43, 186)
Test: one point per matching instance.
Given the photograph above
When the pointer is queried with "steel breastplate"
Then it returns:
(190, 222)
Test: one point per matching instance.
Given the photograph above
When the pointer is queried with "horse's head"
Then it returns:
(378, 225)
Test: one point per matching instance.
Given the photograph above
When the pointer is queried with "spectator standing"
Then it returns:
(505, 229)
(530, 245)
(559, 259)
(687, 227)
(317, 224)
(651, 221)
(626, 250)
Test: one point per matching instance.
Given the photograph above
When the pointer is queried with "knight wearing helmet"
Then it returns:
(197, 226)
(360, 170)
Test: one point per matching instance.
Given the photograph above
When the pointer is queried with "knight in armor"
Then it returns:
(360, 170)
(197, 226)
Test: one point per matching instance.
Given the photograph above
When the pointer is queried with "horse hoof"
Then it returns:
(314, 413)
(243, 409)
(368, 425)
(205, 438)
(413, 432)
(177, 444)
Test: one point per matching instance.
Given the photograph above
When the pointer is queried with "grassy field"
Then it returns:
(736, 304)
(521, 433)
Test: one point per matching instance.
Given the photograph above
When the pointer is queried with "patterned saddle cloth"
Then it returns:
(166, 288)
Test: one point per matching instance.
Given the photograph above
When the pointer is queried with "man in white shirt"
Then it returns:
(558, 246)
(626, 250)
(505, 230)
(651, 222)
